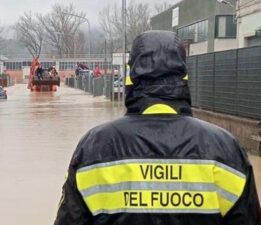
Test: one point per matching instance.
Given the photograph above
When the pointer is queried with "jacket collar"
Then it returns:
(158, 99)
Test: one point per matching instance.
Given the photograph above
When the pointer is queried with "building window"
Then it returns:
(13, 65)
(225, 27)
(197, 32)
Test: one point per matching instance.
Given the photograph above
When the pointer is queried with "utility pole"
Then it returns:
(124, 49)
(89, 28)
(105, 55)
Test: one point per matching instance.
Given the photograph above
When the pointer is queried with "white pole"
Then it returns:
(124, 49)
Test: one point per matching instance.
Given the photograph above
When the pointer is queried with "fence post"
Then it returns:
(89, 83)
(196, 83)
(112, 86)
(214, 82)
(236, 98)
(74, 82)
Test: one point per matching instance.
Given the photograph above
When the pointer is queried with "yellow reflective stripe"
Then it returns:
(159, 201)
(224, 205)
(159, 109)
(66, 175)
(205, 173)
(128, 81)
(228, 181)
(135, 172)
(151, 174)
(186, 77)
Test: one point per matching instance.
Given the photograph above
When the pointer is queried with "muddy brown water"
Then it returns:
(38, 134)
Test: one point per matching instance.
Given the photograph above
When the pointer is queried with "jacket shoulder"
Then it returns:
(97, 142)
(220, 144)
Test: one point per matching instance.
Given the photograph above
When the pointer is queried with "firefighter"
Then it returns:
(158, 164)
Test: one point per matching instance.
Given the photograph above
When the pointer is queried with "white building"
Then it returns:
(249, 23)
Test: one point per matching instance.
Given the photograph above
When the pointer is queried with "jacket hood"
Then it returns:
(158, 73)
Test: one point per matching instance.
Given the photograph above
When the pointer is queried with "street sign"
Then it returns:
(117, 58)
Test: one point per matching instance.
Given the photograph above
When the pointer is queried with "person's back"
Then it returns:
(157, 164)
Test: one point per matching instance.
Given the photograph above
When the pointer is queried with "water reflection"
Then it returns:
(38, 133)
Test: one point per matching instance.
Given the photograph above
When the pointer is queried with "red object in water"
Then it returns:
(34, 65)
(44, 83)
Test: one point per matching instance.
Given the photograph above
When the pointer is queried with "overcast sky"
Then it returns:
(11, 10)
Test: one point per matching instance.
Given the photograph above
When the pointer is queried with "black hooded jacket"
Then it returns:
(158, 165)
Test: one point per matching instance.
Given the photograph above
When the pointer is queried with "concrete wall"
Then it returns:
(198, 48)
(65, 73)
(162, 21)
(243, 129)
(225, 44)
(247, 26)
(247, 7)
(16, 75)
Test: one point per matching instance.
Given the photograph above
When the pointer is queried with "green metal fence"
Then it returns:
(227, 82)
(97, 86)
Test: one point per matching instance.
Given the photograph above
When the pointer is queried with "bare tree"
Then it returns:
(111, 25)
(138, 15)
(1, 38)
(138, 20)
(80, 43)
(30, 33)
(161, 7)
(61, 28)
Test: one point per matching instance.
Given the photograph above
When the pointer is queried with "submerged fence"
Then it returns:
(227, 82)
(97, 86)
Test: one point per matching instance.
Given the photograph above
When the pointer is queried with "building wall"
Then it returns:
(225, 44)
(198, 48)
(162, 21)
(247, 25)
(247, 7)
(17, 75)
(192, 11)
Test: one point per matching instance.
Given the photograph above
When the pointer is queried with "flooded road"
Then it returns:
(38, 134)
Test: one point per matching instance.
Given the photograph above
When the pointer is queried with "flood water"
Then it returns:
(38, 134)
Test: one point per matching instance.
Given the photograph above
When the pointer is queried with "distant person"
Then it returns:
(52, 72)
(39, 72)
(83, 66)
(97, 71)
(80, 67)
(77, 69)
(158, 165)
